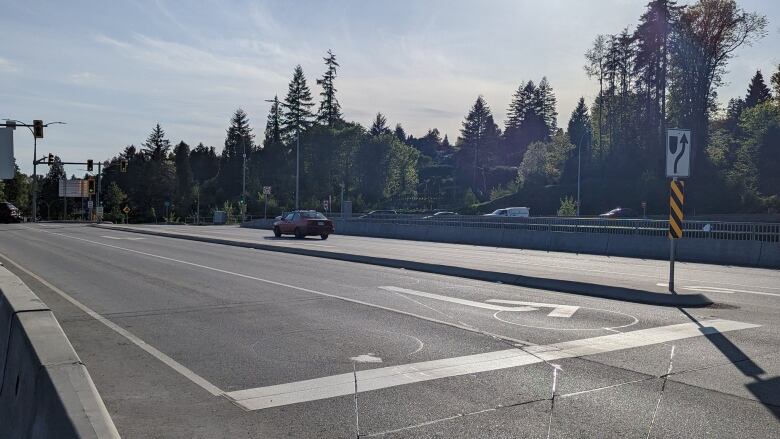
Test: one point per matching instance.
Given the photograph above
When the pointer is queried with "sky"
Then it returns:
(113, 69)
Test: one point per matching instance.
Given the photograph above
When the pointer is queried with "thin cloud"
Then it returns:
(7, 66)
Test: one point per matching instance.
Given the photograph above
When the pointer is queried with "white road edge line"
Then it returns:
(385, 377)
(170, 362)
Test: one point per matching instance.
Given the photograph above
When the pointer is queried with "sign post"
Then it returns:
(678, 165)
(266, 192)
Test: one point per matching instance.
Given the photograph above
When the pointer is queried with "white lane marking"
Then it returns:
(709, 289)
(705, 289)
(558, 310)
(458, 301)
(126, 238)
(385, 377)
(366, 358)
(170, 362)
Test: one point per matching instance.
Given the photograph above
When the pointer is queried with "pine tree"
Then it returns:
(238, 142)
(515, 139)
(379, 126)
(330, 110)
(757, 92)
(545, 104)
(156, 146)
(273, 127)
(445, 145)
(478, 141)
(184, 178)
(297, 104)
(204, 163)
(400, 134)
(579, 125)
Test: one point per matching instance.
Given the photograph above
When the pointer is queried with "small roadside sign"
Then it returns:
(676, 202)
(126, 210)
(266, 190)
(99, 211)
(325, 205)
(678, 153)
(90, 204)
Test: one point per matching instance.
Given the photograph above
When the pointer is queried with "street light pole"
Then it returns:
(297, 163)
(35, 180)
(243, 183)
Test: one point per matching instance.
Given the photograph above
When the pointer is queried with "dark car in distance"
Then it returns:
(620, 212)
(302, 223)
(9, 213)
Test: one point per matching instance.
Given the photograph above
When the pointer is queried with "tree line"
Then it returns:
(664, 72)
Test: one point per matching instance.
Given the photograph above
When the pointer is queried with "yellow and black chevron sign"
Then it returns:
(676, 201)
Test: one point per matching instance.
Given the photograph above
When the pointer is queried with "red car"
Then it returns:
(302, 223)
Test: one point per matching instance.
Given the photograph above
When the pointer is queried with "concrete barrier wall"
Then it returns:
(712, 251)
(45, 390)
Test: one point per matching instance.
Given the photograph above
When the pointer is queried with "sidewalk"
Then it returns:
(631, 280)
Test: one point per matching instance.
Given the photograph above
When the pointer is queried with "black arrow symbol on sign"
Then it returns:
(683, 142)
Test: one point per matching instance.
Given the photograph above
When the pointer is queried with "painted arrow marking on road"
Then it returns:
(558, 310)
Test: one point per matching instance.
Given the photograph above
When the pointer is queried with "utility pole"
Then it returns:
(297, 163)
(243, 182)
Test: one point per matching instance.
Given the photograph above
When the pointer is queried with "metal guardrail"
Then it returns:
(741, 231)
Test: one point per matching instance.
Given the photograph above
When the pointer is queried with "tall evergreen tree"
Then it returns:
(238, 142)
(579, 127)
(297, 104)
(330, 110)
(273, 127)
(478, 141)
(184, 178)
(757, 92)
(156, 146)
(400, 134)
(379, 126)
(204, 163)
(545, 103)
(516, 139)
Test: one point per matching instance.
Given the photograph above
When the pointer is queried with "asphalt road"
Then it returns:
(187, 339)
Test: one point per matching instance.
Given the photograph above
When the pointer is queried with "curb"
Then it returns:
(45, 389)
(563, 286)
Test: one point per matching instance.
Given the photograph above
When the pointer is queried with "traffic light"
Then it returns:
(89, 165)
(38, 129)
(123, 165)
(91, 186)
(51, 159)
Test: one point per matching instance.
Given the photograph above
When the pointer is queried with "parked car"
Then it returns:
(440, 215)
(379, 214)
(620, 212)
(511, 212)
(9, 213)
(302, 223)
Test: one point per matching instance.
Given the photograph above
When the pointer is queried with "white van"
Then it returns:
(512, 212)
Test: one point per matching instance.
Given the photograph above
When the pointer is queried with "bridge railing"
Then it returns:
(741, 231)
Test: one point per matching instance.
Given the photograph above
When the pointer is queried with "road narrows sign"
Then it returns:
(676, 202)
(678, 153)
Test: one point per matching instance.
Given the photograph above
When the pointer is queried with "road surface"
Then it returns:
(188, 339)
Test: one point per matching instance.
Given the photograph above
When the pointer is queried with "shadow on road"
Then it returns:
(767, 391)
